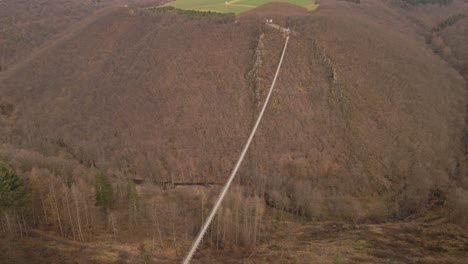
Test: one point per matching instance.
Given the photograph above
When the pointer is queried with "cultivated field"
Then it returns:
(234, 6)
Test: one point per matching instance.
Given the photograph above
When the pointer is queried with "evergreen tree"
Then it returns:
(103, 191)
(13, 192)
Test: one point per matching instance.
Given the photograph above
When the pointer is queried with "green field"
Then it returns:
(233, 6)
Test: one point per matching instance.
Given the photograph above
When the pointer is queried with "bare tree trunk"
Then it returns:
(43, 208)
(160, 235)
(237, 219)
(57, 211)
(92, 218)
(259, 227)
(19, 224)
(255, 222)
(174, 240)
(211, 235)
(133, 214)
(224, 230)
(24, 224)
(87, 215)
(114, 227)
(186, 227)
(217, 231)
(33, 209)
(202, 211)
(80, 233)
(246, 226)
(156, 223)
(69, 212)
(8, 223)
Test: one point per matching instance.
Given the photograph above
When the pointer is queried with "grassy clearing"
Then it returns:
(60, 247)
(105, 257)
(233, 6)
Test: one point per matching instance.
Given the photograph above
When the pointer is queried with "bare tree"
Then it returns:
(65, 190)
(75, 196)
(52, 189)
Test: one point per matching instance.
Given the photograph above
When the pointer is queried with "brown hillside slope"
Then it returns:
(449, 41)
(445, 29)
(173, 98)
(26, 25)
(392, 99)
(148, 77)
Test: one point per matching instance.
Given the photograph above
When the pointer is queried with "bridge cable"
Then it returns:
(226, 187)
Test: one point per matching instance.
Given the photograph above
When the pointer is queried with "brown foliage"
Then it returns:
(168, 97)
(27, 25)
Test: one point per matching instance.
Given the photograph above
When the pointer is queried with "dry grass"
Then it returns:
(428, 239)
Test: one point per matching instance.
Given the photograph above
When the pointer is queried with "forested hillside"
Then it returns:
(27, 25)
(124, 128)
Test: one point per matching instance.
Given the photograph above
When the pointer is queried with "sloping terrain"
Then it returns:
(429, 239)
(362, 109)
(366, 125)
(156, 79)
(445, 30)
(26, 25)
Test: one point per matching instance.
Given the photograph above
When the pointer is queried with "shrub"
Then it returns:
(337, 260)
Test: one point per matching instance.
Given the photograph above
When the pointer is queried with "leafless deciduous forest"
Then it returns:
(123, 122)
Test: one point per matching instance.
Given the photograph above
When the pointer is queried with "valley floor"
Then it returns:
(427, 239)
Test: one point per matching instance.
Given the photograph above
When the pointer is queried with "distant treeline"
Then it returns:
(191, 13)
(353, 1)
(423, 2)
(448, 22)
